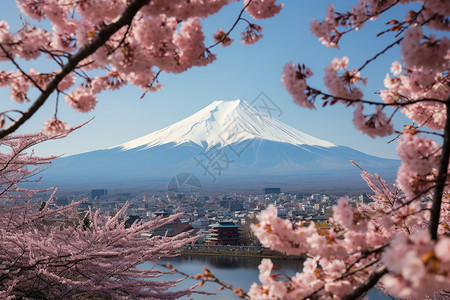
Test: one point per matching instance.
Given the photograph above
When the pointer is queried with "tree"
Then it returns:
(50, 252)
(402, 239)
(95, 45)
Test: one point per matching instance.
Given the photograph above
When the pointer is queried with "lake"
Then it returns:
(237, 271)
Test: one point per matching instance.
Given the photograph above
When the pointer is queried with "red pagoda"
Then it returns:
(224, 233)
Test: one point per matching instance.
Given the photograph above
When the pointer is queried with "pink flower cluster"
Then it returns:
(343, 85)
(435, 15)
(414, 85)
(55, 127)
(262, 9)
(252, 34)
(420, 162)
(331, 254)
(356, 240)
(82, 99)
(293, 80)
(221, 37)
(324, 30)
(302, 284)
(431, 55)
(378, 124)
(418, 267)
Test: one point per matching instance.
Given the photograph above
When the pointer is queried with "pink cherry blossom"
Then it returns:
(293, 80)
(420, 154)
(221, 37)
(55, 127)
(41, 240)
(342, 85)
(442, 249)
(343, 213)
(262, 9)
(396, 68)
(377, 124)
(82, 99)
(252, 34)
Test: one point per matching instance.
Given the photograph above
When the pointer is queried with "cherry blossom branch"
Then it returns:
(103, 35)
(315, 92)
(55, 57)
(380, 53)
(232, 27)
(155, 79)
(207, 276)
(123, 38)
(369, 283)
(441, 177)
(346, 274)
(20, 69)
(375, 15)
(345, 17)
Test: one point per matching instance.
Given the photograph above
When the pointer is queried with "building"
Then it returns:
(268, 191)
(231, 204)
(200, 223)
(97, 194)
(224, 233)
(172, 229)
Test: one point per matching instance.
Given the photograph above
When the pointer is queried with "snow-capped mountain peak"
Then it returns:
(224, 123)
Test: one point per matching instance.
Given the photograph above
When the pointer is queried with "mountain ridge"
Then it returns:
(217, 118)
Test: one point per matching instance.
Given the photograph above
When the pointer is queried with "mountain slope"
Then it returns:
(228, 145)
(224, 123)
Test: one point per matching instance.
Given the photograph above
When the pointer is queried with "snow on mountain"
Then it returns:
(224, 123)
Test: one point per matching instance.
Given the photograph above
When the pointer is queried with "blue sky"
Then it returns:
(239, 72)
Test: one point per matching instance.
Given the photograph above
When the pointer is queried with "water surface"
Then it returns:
(237, 271)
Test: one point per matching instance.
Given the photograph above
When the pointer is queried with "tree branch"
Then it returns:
(315, 93)
(441, 177)
(9, 56)
(232, 27)
(207, 276)
(370, 282)
(380, 53)
(103, 35)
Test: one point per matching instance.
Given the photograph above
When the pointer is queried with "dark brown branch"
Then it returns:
(232, 27)
(370, 17)
(123, 39)
(380, 53)
(155, 79)
(316, 93)
(370, 282)
(9, 56)
(441, 178)
(103, 35)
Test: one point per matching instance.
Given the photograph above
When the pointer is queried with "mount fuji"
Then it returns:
(228, 145)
